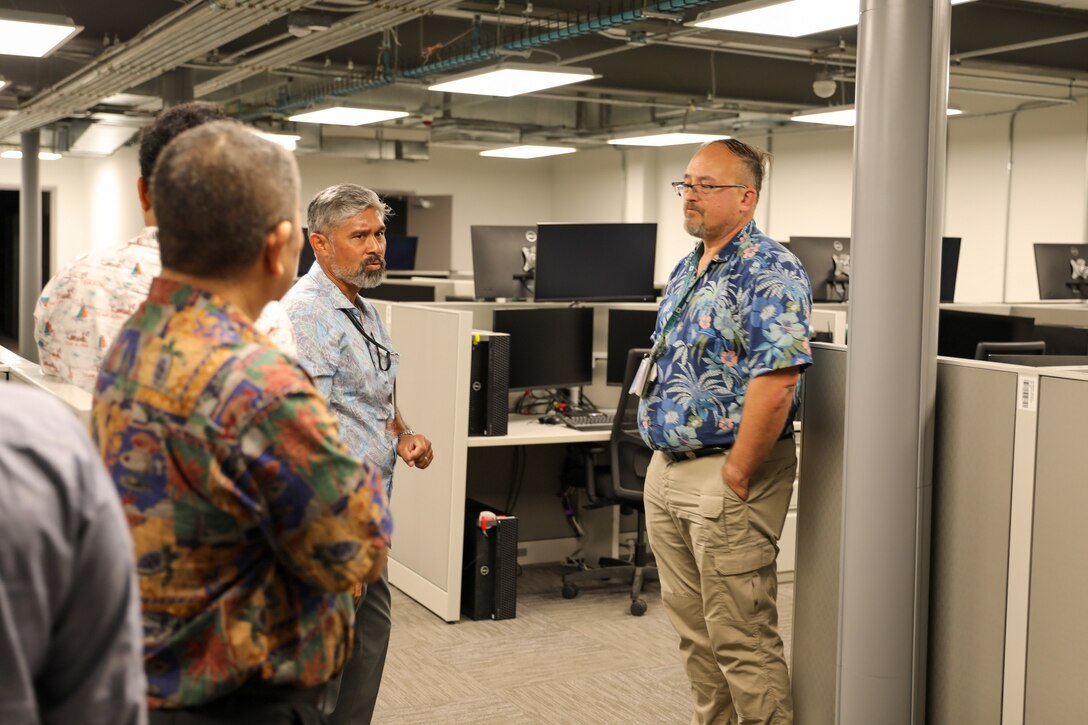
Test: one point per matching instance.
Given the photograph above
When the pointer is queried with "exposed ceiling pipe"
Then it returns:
(1019, 46)
(189, 32)
(370, 21)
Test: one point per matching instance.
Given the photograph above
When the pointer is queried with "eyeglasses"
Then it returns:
(380, 355)
(702, 189)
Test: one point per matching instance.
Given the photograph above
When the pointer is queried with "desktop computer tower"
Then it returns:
(488, 395)
(489, 586)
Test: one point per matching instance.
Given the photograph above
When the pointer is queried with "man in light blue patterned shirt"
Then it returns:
(731, 341)
(344, 346)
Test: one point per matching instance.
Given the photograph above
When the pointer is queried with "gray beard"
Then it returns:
(360, 277)
(695, 228)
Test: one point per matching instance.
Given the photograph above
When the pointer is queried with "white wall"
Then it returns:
(94, 201)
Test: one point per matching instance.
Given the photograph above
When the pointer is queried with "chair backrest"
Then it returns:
(984, 350)
(629, 454)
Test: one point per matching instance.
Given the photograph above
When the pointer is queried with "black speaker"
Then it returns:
(489, 586)
(488, 395)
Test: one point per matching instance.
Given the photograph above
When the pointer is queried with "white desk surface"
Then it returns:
(526, 430)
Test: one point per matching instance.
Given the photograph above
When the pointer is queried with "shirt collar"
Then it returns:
(171, 293)
(148, 237)
(739, 241)
(328, 289)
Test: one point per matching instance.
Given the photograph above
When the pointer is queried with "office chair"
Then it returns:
(984, 350)
(618, 482)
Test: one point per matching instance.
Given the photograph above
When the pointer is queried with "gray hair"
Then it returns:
(755, 161)
(217, 190)
(333, 206)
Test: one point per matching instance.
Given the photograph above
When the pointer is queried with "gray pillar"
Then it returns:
(30, 243)
(899, 157)
(177, 86)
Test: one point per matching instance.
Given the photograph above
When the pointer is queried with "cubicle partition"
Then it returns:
(1007, 579)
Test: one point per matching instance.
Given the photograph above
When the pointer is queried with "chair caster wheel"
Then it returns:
(570, 591)
(638, 607)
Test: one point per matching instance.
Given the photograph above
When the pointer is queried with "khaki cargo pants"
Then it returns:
(715, 557)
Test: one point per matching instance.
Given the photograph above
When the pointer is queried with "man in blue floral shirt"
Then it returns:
(731, 342)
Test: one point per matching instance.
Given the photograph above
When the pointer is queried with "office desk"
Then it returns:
(526, 430)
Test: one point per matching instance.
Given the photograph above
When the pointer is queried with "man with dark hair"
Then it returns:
(251, 521)
(83, 307)
(345, 347)
(70, 645)
(719, 394)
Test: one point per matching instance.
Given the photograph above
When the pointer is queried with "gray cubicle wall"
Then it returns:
(972, 495)
(819, 536)
(1057, 644)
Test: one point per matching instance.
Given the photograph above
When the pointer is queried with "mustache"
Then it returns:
(373, 259)
(692, 207)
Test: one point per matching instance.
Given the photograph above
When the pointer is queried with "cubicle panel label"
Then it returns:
(1028, 385)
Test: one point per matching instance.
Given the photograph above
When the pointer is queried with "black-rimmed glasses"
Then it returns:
(380, 355)
(701, 189)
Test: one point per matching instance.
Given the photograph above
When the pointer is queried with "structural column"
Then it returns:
(899, 152)
(30, 243)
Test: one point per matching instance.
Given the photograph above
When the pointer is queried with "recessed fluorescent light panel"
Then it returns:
(788, 18)
(347, 116)
(34, 35)
(841, 116)
(528, 152)
(102, 139)
(3, 83)
(17, 154)
(288, 140)
(513, 79)
(666, 139)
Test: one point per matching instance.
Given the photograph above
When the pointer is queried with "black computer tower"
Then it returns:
(489, 584)
(488, 395)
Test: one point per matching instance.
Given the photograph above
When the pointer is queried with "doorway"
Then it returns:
(9, 259)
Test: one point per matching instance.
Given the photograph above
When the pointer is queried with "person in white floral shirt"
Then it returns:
(81, 309)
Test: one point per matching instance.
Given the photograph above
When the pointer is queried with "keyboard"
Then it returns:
(587, 421)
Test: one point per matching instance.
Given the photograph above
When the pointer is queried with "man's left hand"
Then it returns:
(415, 450)
(735, 479)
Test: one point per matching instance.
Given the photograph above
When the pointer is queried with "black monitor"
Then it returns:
(627, 329)
(950, 262)
(603, 262)
(401, 292)
(549, 347)
(400, 251)
(1062, 270)
(1063, 339)
(959, 333)
(827, 262)
(306, 257)
(503, 260)
(1041, 361)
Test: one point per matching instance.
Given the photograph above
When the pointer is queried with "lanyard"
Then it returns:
(659, 344)
(383, 364)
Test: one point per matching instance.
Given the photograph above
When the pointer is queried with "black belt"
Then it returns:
(678, 456)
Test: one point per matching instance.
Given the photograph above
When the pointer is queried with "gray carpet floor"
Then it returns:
(583, 660)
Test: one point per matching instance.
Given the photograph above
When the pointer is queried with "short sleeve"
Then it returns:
(778, 324)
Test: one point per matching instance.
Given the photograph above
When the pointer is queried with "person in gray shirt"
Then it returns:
(71, 643)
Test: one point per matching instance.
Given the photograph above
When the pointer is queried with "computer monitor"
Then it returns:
(613, 262)
(950, 263)
(1041, 361)
(401, 292)
(306, 257)
(549, 347)
(1063, 339)
(503, 261)
(959, 333)
(627, 329)
(1062, 270)
(400, 251)
(827, 262)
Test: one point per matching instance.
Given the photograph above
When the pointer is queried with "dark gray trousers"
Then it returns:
(354, 692)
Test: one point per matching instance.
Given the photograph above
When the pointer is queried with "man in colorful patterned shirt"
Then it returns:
(343, 344)
(730, 344)
(81, 310)
(251, 521)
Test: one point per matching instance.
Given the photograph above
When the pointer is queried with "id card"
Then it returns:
(644, 377)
